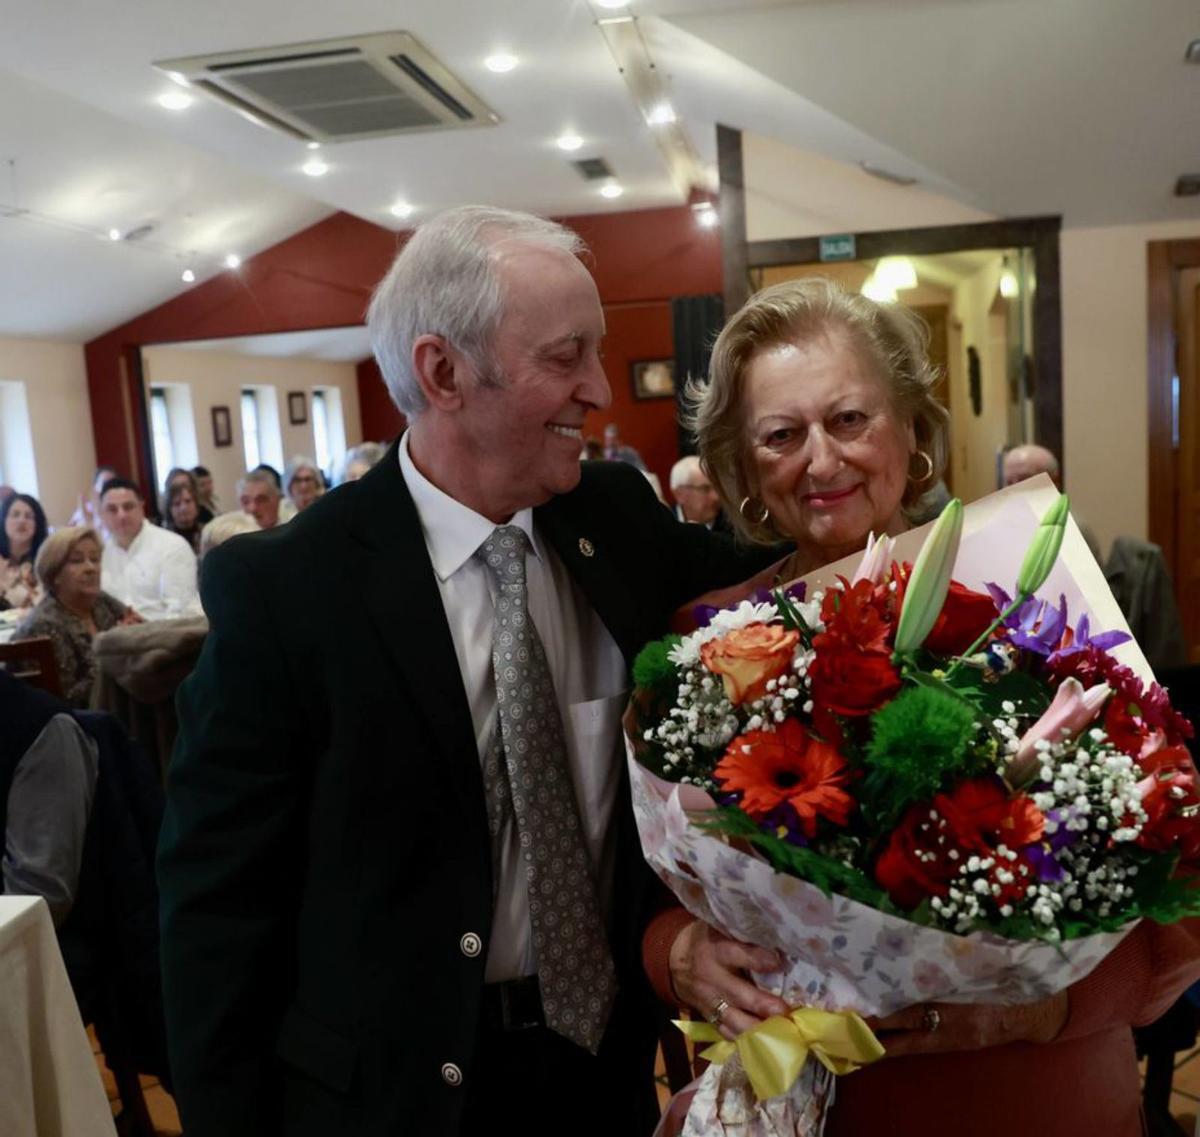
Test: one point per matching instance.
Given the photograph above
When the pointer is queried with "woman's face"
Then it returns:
(828, 449)
(20, 526)
(304, 486)
(183, 510)
(79, 581)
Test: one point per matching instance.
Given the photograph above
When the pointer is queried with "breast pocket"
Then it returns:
(596, 742)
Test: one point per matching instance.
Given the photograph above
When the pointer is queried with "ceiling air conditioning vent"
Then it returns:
(593, 168)
(338, 90)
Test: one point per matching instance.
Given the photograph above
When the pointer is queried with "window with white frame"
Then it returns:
(17, 466)
(320, 425)
(250, 439)
(160, 433)
(329, 429)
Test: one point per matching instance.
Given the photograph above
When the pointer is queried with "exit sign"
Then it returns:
(838, 248)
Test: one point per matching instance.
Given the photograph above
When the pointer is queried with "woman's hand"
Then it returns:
(707, 967)
(969, 1027)
(132, 617)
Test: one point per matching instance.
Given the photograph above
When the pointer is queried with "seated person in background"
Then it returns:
(220, 529)
(144, 566)
(616, 451)
(593, 450)
(182, 514)
(259, 496)
(181, 477)
(695, 499)
(359, 459)
(48, 781)
(87, 509)
(73, 609)
(304, 481)
(22, 531)
(204, 488)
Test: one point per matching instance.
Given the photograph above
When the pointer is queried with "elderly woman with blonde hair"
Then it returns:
(303, 483)
(74, 609)
(819, 426)
(221, 528)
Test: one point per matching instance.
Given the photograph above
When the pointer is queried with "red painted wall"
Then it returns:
(323, 277)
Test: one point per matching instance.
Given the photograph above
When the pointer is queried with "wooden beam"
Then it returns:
(732, 208)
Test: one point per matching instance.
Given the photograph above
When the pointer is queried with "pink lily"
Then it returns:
(876, 559)
(1073, 708)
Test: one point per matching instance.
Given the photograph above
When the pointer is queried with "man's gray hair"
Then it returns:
(258, 477)
(683, 470)
(444, 283)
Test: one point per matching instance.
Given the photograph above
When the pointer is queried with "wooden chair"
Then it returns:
(33, 661)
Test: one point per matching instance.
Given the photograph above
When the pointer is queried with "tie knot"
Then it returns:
(504, 553)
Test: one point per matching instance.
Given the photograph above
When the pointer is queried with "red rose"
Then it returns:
(965, 616)
(850, 680)
(1172, 803)
(913, 867)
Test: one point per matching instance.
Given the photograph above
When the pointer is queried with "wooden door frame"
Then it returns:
(1164, 259)
(740, 256)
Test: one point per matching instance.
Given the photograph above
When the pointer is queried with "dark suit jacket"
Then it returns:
(325, 847)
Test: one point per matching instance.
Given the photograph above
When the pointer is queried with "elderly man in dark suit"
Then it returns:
(402, 893)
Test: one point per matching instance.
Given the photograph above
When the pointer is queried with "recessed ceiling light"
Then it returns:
(661, 114)
(314, 145)
(500, 62)
(174, 101)
(611, 190)
(568, 141)
(707, 216)
(178, 77)
(612, 4)
(188, 276)
(114, 234)
(233, 261)
(401, 209)
(315, 168)
(605, 21)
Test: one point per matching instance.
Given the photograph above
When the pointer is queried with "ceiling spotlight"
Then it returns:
(662, 114)
(233, 261)
(114, 234)
(706, 216)
(896, 273)
(879, 291)
(174, 101)
(500, 62)
(568, 141)
(313, 145)
(178, 77)
(605, 21)
(612, 5)
(401, 209)
(315, 168)
(188, 276)
(611, 190)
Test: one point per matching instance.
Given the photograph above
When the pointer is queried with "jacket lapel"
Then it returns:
(401, 595)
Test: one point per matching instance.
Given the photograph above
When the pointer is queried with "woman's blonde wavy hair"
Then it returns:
(893, 339)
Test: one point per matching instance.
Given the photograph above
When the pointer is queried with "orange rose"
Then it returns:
(748, 657)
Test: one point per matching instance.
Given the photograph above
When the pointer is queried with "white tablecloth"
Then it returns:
(49, 1083)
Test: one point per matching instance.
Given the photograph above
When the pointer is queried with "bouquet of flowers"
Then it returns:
(913, 790)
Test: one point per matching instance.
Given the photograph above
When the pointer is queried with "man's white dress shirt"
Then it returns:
(156, 575)
(589, 680)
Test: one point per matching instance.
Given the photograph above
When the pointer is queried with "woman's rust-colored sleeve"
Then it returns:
(660, 934)
(1138, 981)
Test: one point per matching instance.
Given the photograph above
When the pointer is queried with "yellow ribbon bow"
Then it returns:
(774, 1052)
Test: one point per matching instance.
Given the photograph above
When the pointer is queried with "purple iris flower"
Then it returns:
(1039, 627)
(1044, 863)
(783, 817)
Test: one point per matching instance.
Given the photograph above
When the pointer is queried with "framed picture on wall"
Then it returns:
(297, 408)
(222, 427)
(653, 378)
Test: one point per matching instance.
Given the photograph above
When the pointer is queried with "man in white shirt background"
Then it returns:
(146, 567)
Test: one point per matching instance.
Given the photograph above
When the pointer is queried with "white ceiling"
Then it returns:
(333, 345)
(998, 107)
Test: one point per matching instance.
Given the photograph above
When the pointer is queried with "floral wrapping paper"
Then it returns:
(844, 955)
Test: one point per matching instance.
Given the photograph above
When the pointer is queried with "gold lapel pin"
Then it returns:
(586, 547)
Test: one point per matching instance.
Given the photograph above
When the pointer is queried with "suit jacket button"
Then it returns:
(451, 1074)
(470, 945)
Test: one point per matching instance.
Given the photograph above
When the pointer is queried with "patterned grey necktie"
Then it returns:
(575, 969)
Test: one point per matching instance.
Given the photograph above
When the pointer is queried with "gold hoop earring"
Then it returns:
(754, 520)
(928, 468)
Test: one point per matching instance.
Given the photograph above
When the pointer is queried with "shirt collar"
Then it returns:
(453, 531)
